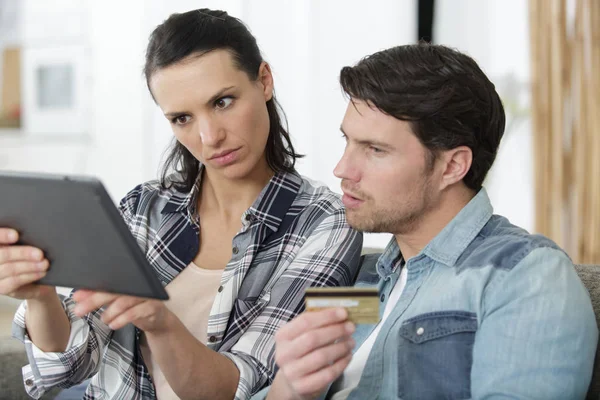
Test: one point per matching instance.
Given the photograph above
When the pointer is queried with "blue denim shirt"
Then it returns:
(488, 312)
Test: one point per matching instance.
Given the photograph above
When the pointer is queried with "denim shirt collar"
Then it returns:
(389, 259)
(451, 242)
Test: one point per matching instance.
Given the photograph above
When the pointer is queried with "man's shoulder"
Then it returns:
(502, 245)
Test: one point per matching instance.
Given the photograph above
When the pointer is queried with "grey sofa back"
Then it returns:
(590, 276)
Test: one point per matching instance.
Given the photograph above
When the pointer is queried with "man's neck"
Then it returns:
(433, 221)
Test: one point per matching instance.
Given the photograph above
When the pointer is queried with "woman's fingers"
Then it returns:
(92, 302)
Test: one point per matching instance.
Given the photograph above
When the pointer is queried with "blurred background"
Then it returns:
(74, 99)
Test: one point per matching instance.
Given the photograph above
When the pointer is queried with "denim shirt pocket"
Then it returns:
(435, 355)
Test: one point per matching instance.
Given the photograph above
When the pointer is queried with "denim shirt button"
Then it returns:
(420, 331)
(383, 297)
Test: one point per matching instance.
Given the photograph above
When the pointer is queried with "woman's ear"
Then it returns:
(265, 77)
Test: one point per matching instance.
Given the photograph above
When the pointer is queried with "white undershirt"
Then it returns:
(191, 296)
(342, 387)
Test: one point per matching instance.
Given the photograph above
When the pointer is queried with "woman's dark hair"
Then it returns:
(199, 32)
(443, 93)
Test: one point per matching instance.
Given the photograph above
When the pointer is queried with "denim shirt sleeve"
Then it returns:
(538, 335)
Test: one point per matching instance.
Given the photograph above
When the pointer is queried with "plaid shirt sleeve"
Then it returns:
(88, 338)
(329, 257)
(79, 361)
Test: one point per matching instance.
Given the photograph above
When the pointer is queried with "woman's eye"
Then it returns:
(181, 120)
(223, 103)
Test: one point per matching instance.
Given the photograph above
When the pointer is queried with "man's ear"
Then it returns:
(265, 77)
(457, 162)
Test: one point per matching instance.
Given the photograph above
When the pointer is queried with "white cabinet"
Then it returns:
(56, 80)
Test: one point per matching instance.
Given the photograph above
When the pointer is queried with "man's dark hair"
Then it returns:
(443, 93)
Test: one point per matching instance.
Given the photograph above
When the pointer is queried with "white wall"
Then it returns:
(121, 147)
(495, 33)
(307, 42)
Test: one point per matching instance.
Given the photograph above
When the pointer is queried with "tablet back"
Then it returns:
(82, 233)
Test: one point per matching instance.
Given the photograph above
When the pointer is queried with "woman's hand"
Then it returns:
(21, 267)
(147, 314)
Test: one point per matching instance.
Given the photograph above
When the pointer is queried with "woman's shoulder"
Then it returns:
(314, 193)
(151, 193)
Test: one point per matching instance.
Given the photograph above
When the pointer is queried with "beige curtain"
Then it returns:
(565, 58)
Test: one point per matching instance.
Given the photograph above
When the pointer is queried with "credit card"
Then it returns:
(362, 304)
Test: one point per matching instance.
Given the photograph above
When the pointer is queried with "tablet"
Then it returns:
(79, 228)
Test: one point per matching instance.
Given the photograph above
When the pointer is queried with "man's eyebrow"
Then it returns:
(367, 142)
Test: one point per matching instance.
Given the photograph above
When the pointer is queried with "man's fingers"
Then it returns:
(308, 321)
(317, 382)
(319, 359)
(8, 236)
(22, 267)
(311, 341)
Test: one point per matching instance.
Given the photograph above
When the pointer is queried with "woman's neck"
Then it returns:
(229, 198)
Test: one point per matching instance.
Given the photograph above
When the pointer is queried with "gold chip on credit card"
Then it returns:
(362, 304)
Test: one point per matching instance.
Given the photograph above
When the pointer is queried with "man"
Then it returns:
(472, 306)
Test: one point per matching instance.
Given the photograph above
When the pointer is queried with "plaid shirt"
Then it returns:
(295, 235)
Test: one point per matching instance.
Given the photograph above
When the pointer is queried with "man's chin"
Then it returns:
(361, 224)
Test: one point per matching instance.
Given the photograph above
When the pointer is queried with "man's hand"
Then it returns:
(148, 315)
(311, 351)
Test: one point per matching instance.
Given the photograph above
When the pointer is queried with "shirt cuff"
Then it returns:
(47, 369)
(249, 376)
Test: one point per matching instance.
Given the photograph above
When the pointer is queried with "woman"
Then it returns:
(235, 235)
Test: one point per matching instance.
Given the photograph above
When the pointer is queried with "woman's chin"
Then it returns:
(245, 168)
(234, 171)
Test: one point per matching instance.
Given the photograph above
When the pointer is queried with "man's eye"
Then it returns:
(375, 149)
(223, 103)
